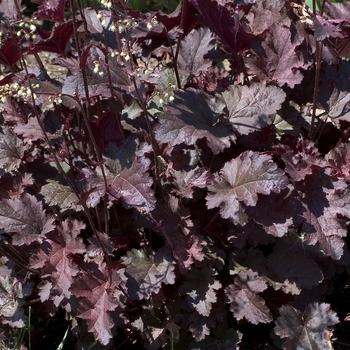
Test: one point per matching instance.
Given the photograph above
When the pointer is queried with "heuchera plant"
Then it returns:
(186, 185)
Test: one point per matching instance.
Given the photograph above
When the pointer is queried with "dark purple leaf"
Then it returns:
(11, 150)
(223, 23)
(58, 40)
(9, 53)
(274, 58)
(320, 219)
(340, 11)
(276, 222)
(241, 180)
(339, 198)
(107, 128)
(98, 85)
(339, 160)
(26, 219)
(51, 10)
(314, 188)
(292, 271)
(253, 259)
(200, 326)
(214, 79)
(250, 107)
(264, 14)
(94, 24)
(324, 29)
(261, 139)
(99, 296)
(193, 48)
(146, 271)
(251, 232)
(334, 92)
(133, 186)
(31, 131)
(327, 231)
(8, 304)
(127, 177)
(302, 161)
(200, 288)
(186, 182)
(213, 195)
(63, 244)
(183, 16)
(305, 330)
(179, 231)
(191, 116)
(244, 300)
(142, 30)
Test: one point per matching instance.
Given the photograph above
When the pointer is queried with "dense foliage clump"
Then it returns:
(186, 184)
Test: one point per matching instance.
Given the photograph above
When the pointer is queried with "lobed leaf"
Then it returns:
(320, 219)
(147, 272)
(241, 180)
(98, 298)
(25, 218)
(200, 288)
(11, 150)
(264, 14)
(250, 107)
(61, 195)
(292, 271)
(179, 232)
(334, 94)
(51, 10)
(223, 23)
(305, 330)
(56, 254)
(187, 181)
(127, 177)
(192, 50)
(244, 301)
(274, 59)
(191, 116)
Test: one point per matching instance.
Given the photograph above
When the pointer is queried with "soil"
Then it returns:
(54, 71)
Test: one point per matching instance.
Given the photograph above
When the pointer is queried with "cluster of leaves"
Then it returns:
(187, 178)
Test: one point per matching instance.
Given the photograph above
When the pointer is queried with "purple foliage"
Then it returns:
(181, 180)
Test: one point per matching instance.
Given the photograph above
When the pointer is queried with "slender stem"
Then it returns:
(142, 104)
(212, 220)
(11, 250)
(182, 20)
(39, 61)
(318, 55)
(29, 322)
(174, 56)
(87, 119)
(322, 7)
(41, 124)
(168, 5)
(17, 262)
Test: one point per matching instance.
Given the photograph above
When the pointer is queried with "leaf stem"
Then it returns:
(318, 55)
